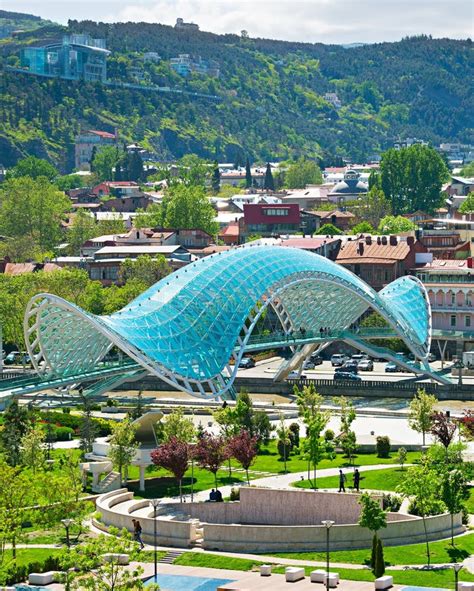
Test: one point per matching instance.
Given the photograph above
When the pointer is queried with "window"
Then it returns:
(467, 321)
(270, 211)
(453, 320)
(453, 299)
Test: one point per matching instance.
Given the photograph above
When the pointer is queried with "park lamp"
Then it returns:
(67, 524)
(457, 566)
(327, 524)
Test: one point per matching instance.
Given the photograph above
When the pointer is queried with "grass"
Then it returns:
(385, 479)
(26, 555)
(439, 578)
(441, 553)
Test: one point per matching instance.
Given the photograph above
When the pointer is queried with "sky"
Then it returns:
(326, 21)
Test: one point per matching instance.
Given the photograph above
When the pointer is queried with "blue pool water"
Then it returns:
(185, 583)
(423, 589)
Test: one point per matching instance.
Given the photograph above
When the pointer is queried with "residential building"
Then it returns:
(407, 142)
(443, 242)
(331, 97)
(237, 176)
(185, 65)
(271, 220)
(9, 268)
(343, 220)
(117, 189)
(233, 233)
(75, 57)
(380, 260)
(325, 246)
(312, 197)
(85, 143)
(128, 203)
(182, 26)
(460, 186)
(151, 56)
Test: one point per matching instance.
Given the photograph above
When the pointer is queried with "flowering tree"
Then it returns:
(174, 457)
(442, 428)
(243, 447)
(467, 424)
(211, 453)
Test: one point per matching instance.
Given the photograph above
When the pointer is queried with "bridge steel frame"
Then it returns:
(185, 328)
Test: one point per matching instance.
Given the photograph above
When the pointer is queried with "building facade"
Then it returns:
(271, 220)
(85, 143)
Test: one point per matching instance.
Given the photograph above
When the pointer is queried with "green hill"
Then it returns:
(271, 93)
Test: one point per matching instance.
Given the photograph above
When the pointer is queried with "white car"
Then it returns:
(293, 375)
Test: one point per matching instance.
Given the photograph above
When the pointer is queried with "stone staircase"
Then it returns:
(171, 556)
(111, 482)
(199, 536)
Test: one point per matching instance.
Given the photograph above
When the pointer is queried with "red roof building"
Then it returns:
(271, 219)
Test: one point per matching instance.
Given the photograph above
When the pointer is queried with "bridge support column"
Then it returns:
(142, 477)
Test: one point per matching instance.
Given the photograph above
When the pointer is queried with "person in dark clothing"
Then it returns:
(342, 481)
(137, 532)
(212, 495)
(219, 498)
(356, 479)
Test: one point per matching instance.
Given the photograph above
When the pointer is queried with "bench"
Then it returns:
(265, 570)
(331, 579)
(384, 582)
(117, 558)
(293, 574)
(318, 576)
(42, 578)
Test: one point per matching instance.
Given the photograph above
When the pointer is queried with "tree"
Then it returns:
(226, 418)
(411, 178)
(123, 446)
(243, 447)
(33, 453)
(176, 425)
(422, 485)
(301, 173)
(467, 170)
(145, 269)
(193, 171)
(104, 162)
(373, 517)
(466, 424)
(137, 410)
(363, 228)
(83, 228)
(269, 183)
(383, 446)
(112, 225)
(86, 569)
(395, 225)
(442, 428)
(216, 179)
(467, 206)
(375, 206)
(248, 174)
(454, 491)
(347, 437)
(329, 230)
(421, 411)
(315, 446)
(134, 166)
(211, 453)
(379, 566)
(32, 209)
(16, 424)
(34, 168)
(87, 429)
(174, 457)
(402, 456)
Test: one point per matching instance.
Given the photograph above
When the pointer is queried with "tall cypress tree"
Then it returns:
(216, 179)
(269, 183)
(91, 161)
(248, 174)
(16, 423)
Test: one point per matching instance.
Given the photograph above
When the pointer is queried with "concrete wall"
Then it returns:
(178, 534)
(258, 538)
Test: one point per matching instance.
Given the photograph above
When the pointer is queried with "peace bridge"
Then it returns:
(192, 328)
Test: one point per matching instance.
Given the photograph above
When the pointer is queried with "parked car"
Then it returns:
(347, 375)
(309, 364)
(338, 359)
(366, 365)
(293, 375)
(351, 366)
(316, 359)
(392, 367)
(358, 357)
(247, 363)
(13, 358)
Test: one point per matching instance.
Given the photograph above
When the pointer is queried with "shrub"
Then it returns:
(284, 448)
(295, 429)
(63, 433)
(329, 435)
(235, 494)
(379, 560)
(383, 446)
(391, 502)
(437, 508)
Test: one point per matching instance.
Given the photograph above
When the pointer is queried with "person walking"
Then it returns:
(137, 532)
(356, 479)
(342, 481)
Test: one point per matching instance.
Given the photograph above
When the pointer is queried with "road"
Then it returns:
(267, 369)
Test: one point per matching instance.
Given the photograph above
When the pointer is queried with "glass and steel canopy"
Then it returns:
(186, 327)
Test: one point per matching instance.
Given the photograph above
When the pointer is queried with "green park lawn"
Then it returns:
(439, 578)
(441, 553)
(26, 555)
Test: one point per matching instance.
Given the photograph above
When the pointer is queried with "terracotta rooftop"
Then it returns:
(373, 253)
(328, 214)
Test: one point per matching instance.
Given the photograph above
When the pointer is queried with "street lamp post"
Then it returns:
(327, 524)
(154, 503)
(457, 567)
(67, 524)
